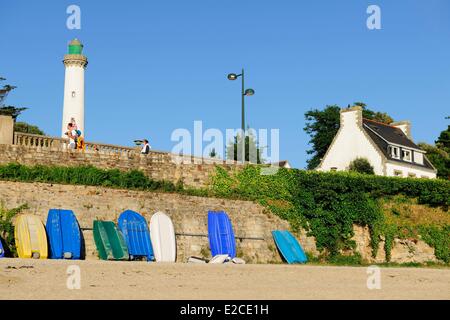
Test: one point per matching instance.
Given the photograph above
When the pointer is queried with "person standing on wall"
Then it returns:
(72, 135)
(146, 147)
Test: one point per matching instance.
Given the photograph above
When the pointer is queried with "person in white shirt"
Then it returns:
(72, 135)
(146, 147)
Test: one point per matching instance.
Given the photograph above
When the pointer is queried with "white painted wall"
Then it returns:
(351, 143)
(73, 106)
(392, 166)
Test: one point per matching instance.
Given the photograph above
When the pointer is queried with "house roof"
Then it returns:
(383, 134)
(392, 134)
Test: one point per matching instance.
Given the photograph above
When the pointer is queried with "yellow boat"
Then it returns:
(30, 236)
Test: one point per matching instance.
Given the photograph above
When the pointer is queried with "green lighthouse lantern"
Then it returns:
(75, 47)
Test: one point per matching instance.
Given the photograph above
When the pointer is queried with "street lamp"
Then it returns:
(244, 92)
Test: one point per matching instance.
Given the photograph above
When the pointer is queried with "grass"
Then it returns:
(403, 211)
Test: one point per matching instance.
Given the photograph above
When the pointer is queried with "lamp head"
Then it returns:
(249, 92)
(232, 76)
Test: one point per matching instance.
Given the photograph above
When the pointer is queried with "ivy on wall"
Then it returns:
(328, 204)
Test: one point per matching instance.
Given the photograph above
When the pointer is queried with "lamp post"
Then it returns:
(244, 92)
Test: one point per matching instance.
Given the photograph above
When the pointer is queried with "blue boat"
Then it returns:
(64, 235)
(220, 234)
(136, 234)
(289, 247)
(2, 251)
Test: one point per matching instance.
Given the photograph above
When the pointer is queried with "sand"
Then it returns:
(47, 279)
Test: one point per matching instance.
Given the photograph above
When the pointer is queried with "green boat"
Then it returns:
(109, 241)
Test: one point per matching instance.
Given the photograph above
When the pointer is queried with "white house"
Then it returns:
(388, 148)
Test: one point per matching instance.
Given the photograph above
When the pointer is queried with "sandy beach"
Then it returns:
(47, 279)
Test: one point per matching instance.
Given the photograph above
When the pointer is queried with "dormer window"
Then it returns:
(394, 152)
(406, 155)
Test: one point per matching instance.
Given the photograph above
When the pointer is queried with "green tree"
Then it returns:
(439, 154)
(443, 141)
(252, 150)
(28, 128)
(361, 165)
(15, 112)
(322, 126)
(8, 110)
(213, 153)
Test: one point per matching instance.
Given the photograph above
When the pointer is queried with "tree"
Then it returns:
(28, 128)
(213, 153)
(322, 126)
(8, 110)
(15, 112)
(443, 141)
(11, 111)
(361, 165)
(439, 158)
(252, 150)
(439, 154)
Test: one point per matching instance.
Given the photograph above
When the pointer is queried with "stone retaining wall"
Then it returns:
(194, 172)
(189, 215)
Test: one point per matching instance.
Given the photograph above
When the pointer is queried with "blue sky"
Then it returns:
(155, 66)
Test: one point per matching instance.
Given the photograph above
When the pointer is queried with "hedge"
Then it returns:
(84, 175)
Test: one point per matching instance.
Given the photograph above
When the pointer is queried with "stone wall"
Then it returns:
(194, 172)
(403, 250)
(252, 224)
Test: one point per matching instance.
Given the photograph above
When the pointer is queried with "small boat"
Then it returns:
(289, 247)
(2, 251)
(30, 237)
(220, 234)
(135, 231)
(109, 241)
(162, 234)
(64, 234)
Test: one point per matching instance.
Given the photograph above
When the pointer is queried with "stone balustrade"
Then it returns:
(46, 142)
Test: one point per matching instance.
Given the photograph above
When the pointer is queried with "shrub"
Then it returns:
(361, 165)
(84, 175)
(7, 228)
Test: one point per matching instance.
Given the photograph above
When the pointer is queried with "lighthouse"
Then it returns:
(75, 63)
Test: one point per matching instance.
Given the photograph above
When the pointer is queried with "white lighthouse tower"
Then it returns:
(75, 63)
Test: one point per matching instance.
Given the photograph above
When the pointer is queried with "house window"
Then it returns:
(424, 177)
(398, 173)
(73, 94)
(411, 175)
(394, 152)
(406, 155)
(418, 157)
(333, 168)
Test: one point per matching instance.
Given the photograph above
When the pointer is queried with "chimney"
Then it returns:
(351, 116)
(405, 126)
